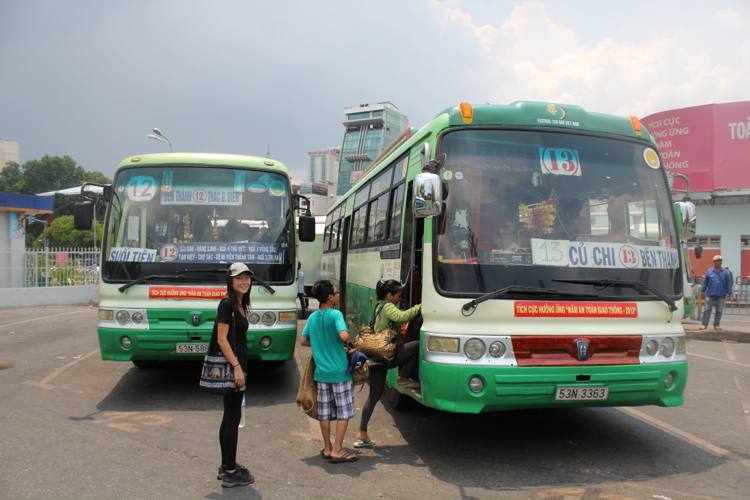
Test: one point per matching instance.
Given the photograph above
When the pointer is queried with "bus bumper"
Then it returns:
(160, 345)
(446, 387)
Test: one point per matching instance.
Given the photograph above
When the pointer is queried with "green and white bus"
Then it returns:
(174, 223)
(543, 245)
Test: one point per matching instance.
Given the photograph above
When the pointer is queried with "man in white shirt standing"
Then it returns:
(301, 290)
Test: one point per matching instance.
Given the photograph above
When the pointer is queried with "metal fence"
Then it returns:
(47, 267)
(739, 303)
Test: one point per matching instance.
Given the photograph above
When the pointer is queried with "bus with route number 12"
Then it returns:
(544, 247)
(174, 223)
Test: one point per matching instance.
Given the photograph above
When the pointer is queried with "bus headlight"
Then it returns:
(106, 314)
(269, 318)
(288, 316)
(440, 344)
(652, 347)
(475, 384)
(667, 347)
(497, 349)
(122, 317)
(474, 348)
(265, 342)
(669, 380)
(137, 318)
(681, 344)
(126, 342)
(254, 318)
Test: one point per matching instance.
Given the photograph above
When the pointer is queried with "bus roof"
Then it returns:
(205, 159)
(520, 113)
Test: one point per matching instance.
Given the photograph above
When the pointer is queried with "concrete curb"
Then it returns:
(718, 336)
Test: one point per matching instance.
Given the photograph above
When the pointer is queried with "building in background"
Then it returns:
(318, 194)
(710, 145)
(9, 151)
(324, 165)
(370, 128)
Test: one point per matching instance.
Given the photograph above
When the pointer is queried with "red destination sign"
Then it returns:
(545, 309)
(195, 293)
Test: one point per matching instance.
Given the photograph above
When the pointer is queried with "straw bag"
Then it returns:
(307, 395)
(376, 345)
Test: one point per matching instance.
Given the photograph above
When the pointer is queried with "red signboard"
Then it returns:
(708, 144)
(178, 292)
(544, 309)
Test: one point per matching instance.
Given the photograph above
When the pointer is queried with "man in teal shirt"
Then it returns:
(326, 332)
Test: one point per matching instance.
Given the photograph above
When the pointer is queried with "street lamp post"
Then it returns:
(160, 137)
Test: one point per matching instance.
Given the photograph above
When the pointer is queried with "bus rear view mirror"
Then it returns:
(684, 212)
(428, 193)
(83, 213)
(307, 228)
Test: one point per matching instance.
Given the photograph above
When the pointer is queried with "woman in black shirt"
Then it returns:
(233, 311)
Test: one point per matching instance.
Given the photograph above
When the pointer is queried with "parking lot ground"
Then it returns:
(76, 427)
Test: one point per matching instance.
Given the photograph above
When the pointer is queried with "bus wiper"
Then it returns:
(223, 271)
(151, 277)
(635, 285)
(518, 289)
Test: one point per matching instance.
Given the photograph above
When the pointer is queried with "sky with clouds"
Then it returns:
(90, 79)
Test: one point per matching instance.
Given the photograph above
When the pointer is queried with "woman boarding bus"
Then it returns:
(542, 244)
(174, 223)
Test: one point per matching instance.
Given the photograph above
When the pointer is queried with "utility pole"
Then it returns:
(268, 150)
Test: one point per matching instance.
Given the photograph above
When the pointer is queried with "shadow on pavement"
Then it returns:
(532, 448)
(173, 386)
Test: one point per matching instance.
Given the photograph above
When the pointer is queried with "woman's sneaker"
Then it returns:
(240, 477)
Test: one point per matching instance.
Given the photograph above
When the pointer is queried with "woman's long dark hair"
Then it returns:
(384, 287)
(233, 296)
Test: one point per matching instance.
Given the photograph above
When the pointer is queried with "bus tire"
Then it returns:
(396, 400)
(145, 364)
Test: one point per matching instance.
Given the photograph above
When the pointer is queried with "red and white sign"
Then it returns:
(179, 292)
(544, 309)
(709, 144)
(558, 161)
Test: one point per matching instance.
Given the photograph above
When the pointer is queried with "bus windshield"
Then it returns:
(530, 207)
(166, 219)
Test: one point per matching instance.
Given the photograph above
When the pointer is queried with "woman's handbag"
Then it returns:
(378, 346)
(307, 395)
(217, 376)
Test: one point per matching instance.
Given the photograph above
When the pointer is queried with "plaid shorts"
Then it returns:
(336, 401)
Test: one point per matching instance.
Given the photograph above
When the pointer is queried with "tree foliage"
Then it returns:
(52, 173)
(61, 234)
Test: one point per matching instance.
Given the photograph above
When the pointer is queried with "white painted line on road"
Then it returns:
(730, 352)
(43, 383)
(718, 359)
(43, 317)
(685, 436)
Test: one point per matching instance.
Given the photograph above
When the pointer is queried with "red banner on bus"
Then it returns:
(576, 309)
(196, 293)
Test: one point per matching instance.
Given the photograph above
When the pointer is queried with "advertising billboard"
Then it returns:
(709, 144)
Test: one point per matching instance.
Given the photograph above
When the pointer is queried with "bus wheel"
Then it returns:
(145, 363)
(397, 400)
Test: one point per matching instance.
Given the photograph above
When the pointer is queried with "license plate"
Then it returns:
(581, 393)
(191, 348)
